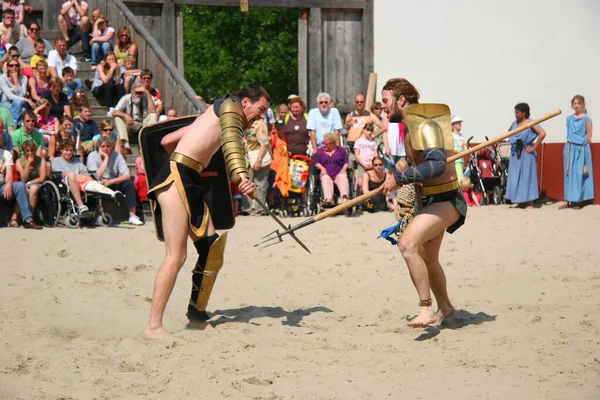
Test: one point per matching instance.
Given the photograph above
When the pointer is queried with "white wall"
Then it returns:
(481, 57)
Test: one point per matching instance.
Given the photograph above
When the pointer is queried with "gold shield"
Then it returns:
(429, 126)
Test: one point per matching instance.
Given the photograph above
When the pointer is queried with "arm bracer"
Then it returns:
(233, 121)
(433, 166)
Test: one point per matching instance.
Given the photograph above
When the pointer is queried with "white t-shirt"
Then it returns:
(106, 31)
(366, 149)
(6, 161)
(54, 60)
(394, 141)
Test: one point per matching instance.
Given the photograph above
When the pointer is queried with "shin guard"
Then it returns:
(210, 260)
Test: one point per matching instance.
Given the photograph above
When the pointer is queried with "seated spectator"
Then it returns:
(128, 73)
(18, 8)
(47, 125)
(7, 119)
(40, 54)
(140, 184)
(171, 114)
(108, 129)
(32, 171)
(331, 161)
(110, 167)
(58, 59)
(77, 101)
(10, 189)
(106, 87)
(70, 83)
(146, 79)
(28, 132)
(125, 46)
(7, 143)
(372, 179)
(134, 111)
(13, 55)
(10, 31)
(59, 102)
(39, 84)
(472, 199)
(103, 40)
(72, 171)
(13, 86)
(74, 25)
(85, 129)
(65, 133)
(27, 45)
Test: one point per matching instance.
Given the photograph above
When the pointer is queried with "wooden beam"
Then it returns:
(368, 34)
(303, 55)
(179, 19)
(356, 4)
(169, 30)
(315, 57)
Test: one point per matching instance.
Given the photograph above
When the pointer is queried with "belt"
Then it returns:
(441, 188)
(187, 161)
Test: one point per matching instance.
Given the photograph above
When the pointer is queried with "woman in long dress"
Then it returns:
(577, 157)
(522, 185)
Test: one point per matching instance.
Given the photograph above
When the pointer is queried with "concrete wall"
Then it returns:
(483, 57)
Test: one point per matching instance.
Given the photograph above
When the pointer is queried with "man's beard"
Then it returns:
(396, 116)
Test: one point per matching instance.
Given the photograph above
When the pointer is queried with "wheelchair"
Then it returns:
(56, 205)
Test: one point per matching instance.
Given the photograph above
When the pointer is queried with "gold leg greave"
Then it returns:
(209, 272)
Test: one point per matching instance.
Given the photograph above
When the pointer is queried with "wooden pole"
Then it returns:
(244, 5)
(371, 88)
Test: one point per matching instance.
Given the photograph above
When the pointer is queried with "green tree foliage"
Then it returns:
(224, 49)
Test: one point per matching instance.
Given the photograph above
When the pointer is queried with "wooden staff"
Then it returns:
(367, 196)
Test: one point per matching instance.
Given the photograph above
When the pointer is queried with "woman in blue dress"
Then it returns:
(577, 157)
(522, 184)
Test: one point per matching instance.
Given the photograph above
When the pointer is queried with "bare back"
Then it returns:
(202, 139)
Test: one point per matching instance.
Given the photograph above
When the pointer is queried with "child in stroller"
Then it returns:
(488, 174)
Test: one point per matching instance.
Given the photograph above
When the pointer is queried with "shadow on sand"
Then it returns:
(459, 320)
(246, 314)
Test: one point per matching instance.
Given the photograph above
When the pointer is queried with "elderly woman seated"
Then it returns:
(331, 161)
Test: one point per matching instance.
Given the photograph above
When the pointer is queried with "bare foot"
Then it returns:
(425, 318)
(199, 325)
(155, 334)
(443, 313)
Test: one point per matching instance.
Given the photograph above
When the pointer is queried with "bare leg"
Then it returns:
(437, 278)
(74, 188)
(62, 25)
(175, 222)
(33, 196)
(427, 225)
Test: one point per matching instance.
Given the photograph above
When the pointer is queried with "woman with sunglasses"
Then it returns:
(26, 45)
(372, 179)
(13, 86)
(125, 47)
(107, 128)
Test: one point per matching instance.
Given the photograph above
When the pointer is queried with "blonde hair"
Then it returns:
(330, 136)
(401, 165)
(581, 101)
(465, 182)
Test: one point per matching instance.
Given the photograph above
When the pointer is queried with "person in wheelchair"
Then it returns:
(72, 172)
(331, 162)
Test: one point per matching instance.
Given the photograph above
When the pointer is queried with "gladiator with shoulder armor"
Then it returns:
(438, 203)
(190, 163)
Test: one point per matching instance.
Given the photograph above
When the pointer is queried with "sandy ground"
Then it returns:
(330, 325)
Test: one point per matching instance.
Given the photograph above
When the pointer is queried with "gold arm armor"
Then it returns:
(233, 122)
(214, 262)
(429, 126)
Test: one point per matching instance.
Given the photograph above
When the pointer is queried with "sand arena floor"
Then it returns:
(330, 325)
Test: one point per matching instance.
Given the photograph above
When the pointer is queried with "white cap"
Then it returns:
(292, 96)
(456, 118)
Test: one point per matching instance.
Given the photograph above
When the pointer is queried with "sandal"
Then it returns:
(564, 206)
(14, 223)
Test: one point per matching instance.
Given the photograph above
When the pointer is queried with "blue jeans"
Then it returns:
(20, 194)
(99, 50)
(75, 35)
(16, 108)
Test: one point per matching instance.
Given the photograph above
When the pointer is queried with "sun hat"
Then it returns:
(456, 118)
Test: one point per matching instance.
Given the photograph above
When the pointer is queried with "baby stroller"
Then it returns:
(299, 201)
(57, 205)
(488, 174)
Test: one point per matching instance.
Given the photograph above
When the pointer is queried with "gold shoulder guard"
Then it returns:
(429, 126)
(233, 123)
